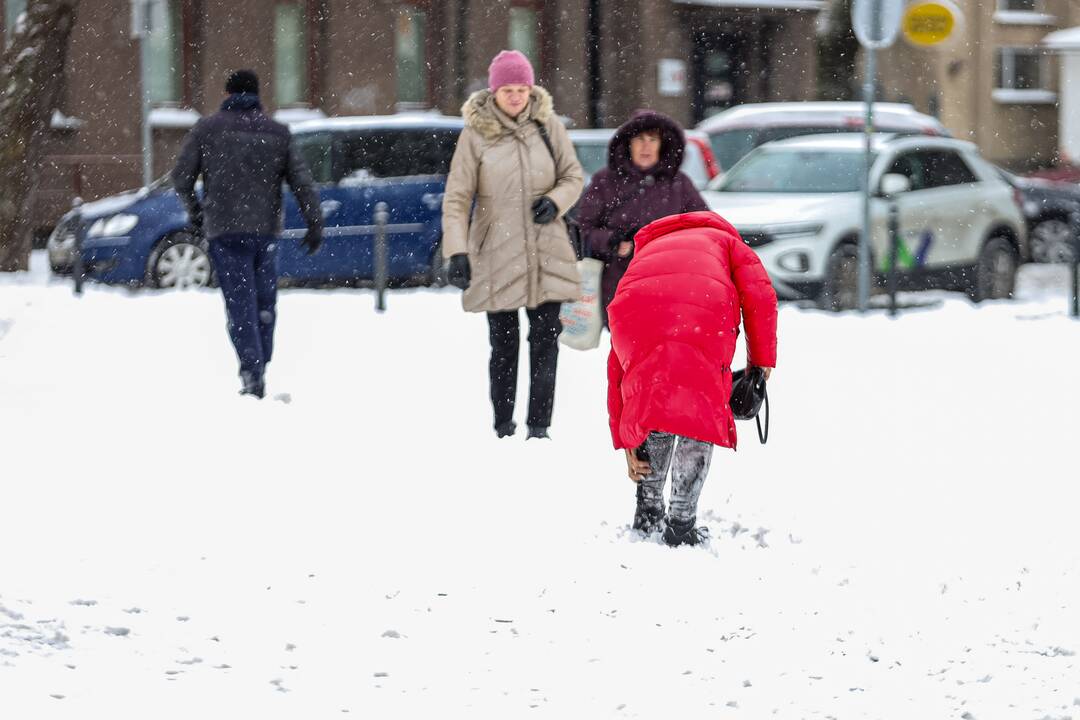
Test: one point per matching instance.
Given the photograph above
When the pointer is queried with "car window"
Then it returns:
(933, 168)
(945, 167)
(789, 170)
(395, 153)
(315, 149)
(592, 155)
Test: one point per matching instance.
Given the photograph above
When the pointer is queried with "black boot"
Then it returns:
(253, 385)
(647, 518)
(684, 533)
(506, 429)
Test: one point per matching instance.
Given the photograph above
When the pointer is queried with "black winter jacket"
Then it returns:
(243, 157)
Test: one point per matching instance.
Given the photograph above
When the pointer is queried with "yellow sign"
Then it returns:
(928, 23)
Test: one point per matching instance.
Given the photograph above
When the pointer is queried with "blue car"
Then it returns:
(143, 238)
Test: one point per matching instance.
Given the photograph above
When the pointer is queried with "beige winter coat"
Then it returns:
(504, 165)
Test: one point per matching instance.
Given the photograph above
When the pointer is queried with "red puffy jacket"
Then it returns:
(674, 322)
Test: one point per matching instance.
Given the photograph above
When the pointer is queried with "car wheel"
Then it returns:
(841, 289)
(995, 271)
(180, 261)
(1052, 241)
(437, 276)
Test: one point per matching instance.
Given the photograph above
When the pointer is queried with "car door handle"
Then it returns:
(433, 201)
(329, 207)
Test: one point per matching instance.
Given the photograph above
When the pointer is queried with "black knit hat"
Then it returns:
(242, 81)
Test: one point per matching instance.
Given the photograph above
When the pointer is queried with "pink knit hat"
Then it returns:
(509, 67)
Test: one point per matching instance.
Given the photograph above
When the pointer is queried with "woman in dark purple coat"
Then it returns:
(641, 183)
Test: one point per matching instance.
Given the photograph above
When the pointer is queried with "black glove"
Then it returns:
(544, 210)
(459, 274)
(312, 240)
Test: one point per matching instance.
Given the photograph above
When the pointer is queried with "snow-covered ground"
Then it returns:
(906, 545)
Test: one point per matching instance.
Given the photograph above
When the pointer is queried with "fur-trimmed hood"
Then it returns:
(672, 145)
(481, 115)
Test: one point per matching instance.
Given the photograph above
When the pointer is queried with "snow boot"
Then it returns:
(684, 533)
(253, 385)
(538, 432)
(647, 519)
(506, 429)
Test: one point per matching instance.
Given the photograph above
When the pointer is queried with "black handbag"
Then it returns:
(748, 394)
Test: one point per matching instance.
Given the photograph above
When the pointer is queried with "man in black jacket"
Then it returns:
(243, 157)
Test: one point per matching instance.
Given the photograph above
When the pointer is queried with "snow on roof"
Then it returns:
(591, 135)
(60, 121)
(792, 112)
(367, 122)
(759, 5)
(291, 116)
(857, 141)
(1067, 39)
(171, 117)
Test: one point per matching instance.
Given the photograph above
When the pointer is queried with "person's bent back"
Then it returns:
(674, 324)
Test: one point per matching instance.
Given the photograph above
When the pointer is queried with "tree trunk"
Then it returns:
(31, 79)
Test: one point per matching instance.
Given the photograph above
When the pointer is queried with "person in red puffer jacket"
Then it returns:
(674, 322)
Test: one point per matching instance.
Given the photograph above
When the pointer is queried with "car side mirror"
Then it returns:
(893, 184)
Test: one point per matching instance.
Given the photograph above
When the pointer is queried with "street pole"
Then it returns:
(1074, 226)
(894, 253)
(382, 217)
(143, 28)
(864, 237)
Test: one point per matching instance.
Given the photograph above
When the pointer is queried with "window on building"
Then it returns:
(165, 63)
(410, 33)
(1020, 5)
(12, 10)
(1020, 69)
(290, 53)
(525, 33)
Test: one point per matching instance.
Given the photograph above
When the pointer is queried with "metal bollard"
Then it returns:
(382, 217)
(894, 254)
(1074, 227)
(77, 270)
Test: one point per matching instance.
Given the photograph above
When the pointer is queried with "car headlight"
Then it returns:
(788, 231)
(113, 226)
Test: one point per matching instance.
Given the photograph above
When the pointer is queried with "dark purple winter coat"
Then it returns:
(623, 198)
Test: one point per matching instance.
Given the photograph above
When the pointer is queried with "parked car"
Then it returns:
(144, 238)
(1047, 205)
(799, 204)
(735, 132)
(591, 147)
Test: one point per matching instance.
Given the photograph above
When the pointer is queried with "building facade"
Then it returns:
(995, 82)
(601, 59)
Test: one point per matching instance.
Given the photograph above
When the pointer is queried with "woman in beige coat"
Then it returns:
(515, 160)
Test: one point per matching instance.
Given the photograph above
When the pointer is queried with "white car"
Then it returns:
(799, 204)
(735, 132)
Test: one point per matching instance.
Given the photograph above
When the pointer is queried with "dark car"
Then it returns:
(1046, 205)
(144, 238)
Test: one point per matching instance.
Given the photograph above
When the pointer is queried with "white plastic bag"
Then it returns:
(581, 320)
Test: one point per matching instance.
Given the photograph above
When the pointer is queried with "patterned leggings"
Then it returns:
(689, 463)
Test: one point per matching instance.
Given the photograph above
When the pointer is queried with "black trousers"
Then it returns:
(246, 267)
(504, 331)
